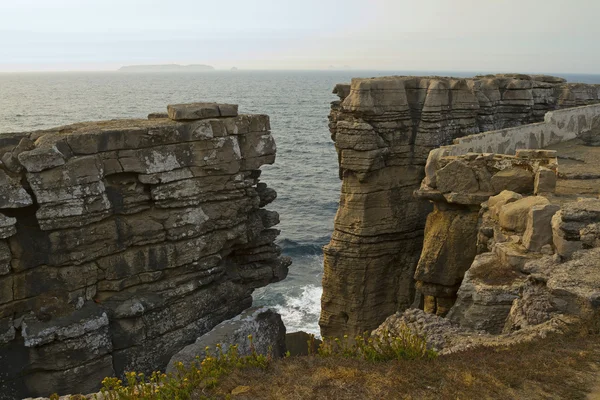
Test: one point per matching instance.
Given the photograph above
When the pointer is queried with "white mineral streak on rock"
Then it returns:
(146, 234)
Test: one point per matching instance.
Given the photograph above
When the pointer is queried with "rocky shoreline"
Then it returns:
(469, 214)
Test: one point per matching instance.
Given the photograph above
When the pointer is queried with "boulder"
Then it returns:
(262, 324)
(513, 216)
(545, 181)
(495, 203)
(514, 179)
(571, 222)
(538, 231)
(486, 294)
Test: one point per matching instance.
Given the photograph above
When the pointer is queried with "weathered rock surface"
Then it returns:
(518, 283)
(262, 324)
(466, 183)
(449, 247)
(383, 129)
(538, 232)
(513, 216)
(447, 337)
(123, 241)
(486, 294)
(574, 227)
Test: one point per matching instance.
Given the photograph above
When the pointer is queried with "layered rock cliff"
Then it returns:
(384, 129)
(123, 241)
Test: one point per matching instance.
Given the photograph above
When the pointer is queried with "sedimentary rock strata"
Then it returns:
(384, 129)
(123, 241)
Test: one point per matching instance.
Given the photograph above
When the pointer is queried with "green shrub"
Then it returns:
(187, 381)
(404, 346)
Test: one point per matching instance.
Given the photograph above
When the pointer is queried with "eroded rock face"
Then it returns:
(517, 281)
(453, 235)
(123, 241)
(383, 129)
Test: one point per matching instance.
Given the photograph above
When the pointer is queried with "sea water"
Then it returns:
(305, 174)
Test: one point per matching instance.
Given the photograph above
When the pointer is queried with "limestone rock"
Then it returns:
(449, 246)
(570, 221)
(486, 294)
(513, 216)
(262, 324)
(513, 179)
(384, 129)
(447, 337)
(123, 241)
(535, 305)
(12, 194)
(495, 203)
(545, 181)
(456, 177)
(538, 232)
(301, 343)
(158, 115)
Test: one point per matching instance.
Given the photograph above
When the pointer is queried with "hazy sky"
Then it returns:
(436, 35)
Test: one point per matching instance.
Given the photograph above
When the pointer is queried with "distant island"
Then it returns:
(167, 68)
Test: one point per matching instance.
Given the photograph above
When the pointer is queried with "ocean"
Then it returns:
(305, 174)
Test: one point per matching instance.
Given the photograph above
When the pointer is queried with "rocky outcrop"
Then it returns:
(512, 294)
(510, 286)
(457, 185)
(384, 129)
(123, 241)
(257, 330)
(447, 337)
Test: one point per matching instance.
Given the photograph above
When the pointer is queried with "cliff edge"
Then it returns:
(123, 241)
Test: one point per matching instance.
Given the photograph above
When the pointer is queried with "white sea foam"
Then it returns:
(301, 313)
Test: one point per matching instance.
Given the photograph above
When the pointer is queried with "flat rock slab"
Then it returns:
(194, 111)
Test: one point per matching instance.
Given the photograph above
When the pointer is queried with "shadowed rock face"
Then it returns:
(123, 241)
(384, 129)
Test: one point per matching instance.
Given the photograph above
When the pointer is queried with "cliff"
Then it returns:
(123, 241)
(384, 129)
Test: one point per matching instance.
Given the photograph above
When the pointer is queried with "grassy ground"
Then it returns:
(566, 367)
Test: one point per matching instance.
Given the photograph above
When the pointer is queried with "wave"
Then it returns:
(301, 313)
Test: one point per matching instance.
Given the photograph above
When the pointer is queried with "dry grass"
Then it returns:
(565, 367)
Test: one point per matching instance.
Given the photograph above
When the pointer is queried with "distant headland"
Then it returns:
(167, 68)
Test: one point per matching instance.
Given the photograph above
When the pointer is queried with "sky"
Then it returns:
(417, 35)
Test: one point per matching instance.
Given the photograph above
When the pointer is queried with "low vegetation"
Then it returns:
(400, 367)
